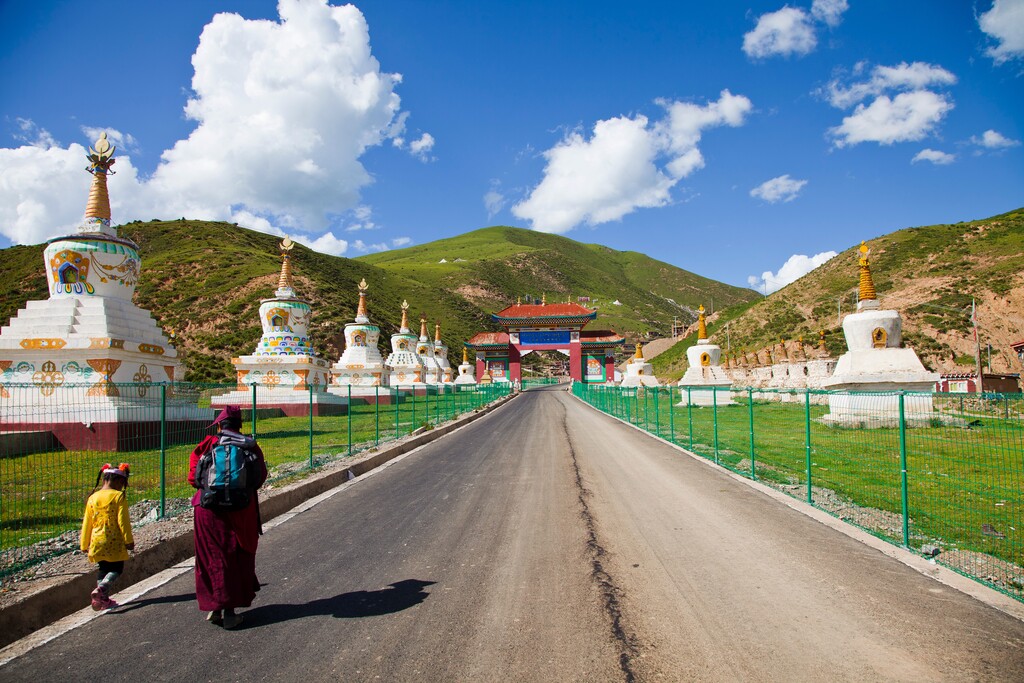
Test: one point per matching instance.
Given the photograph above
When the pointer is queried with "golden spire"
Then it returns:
(285, 281)
(101, 158)
(821, 340)
(405, 316)
(702, 324)
(544, 299)
(639, 352)
(519, 301)
(867, 287)
(465, 355)
(423, 326)
(437, 332)
(361, 311)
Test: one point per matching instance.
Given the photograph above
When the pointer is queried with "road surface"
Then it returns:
(549, 542)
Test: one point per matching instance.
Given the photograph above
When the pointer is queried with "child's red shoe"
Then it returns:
(99, 596)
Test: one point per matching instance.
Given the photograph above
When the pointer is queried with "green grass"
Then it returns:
(965, 485)
(44, 493)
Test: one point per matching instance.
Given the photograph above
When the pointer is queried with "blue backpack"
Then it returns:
(226, 474)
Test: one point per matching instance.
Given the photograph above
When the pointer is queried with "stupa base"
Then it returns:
(284, 402)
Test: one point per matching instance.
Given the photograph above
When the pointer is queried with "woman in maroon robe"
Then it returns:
(226, 541)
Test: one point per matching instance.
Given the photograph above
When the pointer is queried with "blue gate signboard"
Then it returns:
(544, 337)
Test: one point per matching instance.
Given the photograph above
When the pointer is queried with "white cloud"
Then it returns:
(935, 156)
(400, 242)
(1004, 22)
(421, 148)
(912, 114)
(284, 110)
(829, 11)
(780, 189)
(795, 267)
(326, 244)
(31, 134)
(788, 31)
(494, 201)
(616, 171)
(991, 139)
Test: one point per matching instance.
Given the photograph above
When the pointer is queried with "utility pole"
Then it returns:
(977, 346)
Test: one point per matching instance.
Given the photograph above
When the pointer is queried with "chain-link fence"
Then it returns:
(941, 474)
(53, 441)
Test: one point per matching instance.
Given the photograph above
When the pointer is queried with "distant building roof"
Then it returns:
(481, 339)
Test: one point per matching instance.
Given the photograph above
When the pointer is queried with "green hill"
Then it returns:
(205, 280)
(492, 266)
(930, 274)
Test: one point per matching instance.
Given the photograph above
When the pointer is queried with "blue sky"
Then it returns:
(744, 141)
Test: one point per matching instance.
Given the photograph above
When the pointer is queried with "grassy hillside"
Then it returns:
(205, 280)
(492, 266)
(930, 274)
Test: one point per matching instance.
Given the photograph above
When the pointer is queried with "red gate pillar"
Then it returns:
(609, 367)
(576, 361)
(515, 370)
(480, 367)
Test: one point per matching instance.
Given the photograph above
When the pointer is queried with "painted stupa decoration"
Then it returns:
(639, 372)
(425, 350)
(361, 364)
(441, 356)
(404, 366)
(467, 372)
(705, 379)
(284, 366)
(877, 361)
(88, 333)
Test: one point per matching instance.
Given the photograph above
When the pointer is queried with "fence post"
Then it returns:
(689, 412)
(412, 393)
(349, 411)
(163, 450)
(904, 495)
(310, 426)
(376, 414)
(254, 410)
(714, 417)
(671, 415)
(807, 441)
(750, 410)
(657, 411)
(395, 398)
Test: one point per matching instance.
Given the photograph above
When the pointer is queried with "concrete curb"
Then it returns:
(929, 568)
(51, 603)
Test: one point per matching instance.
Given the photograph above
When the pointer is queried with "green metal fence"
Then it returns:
(44, 485)
(941, 474)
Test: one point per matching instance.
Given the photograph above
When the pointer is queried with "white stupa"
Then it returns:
(403, 365)
(467, 372)
(705, 373)
(441, 356)
(425, 350)
(288, 374)
(66, 362)
(877, 362)
(360, 371)
(639, 372)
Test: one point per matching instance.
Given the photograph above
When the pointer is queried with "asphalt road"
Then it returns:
(548, 542)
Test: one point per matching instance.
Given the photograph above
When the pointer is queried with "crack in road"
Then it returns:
(609, 591)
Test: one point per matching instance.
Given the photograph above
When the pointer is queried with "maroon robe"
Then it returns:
(225, 545)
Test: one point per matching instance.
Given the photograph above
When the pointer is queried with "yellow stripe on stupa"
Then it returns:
(702, 324)
(867, 286)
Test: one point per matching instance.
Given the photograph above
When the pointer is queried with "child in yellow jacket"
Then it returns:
(107, 531)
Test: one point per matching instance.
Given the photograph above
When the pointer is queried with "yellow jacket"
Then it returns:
(106, 528)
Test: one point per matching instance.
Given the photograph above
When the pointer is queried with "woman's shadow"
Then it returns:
(399, 596)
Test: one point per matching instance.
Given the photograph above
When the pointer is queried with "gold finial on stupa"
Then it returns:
(423, 325)
(867, 286)
(405, 316)
(519, 301)
(285, 280)
(465, 355)
(821, 340)
(639, 352)
(101, 158)
(437, 332)
(544, 299)
(361, 310)
(702, 324)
